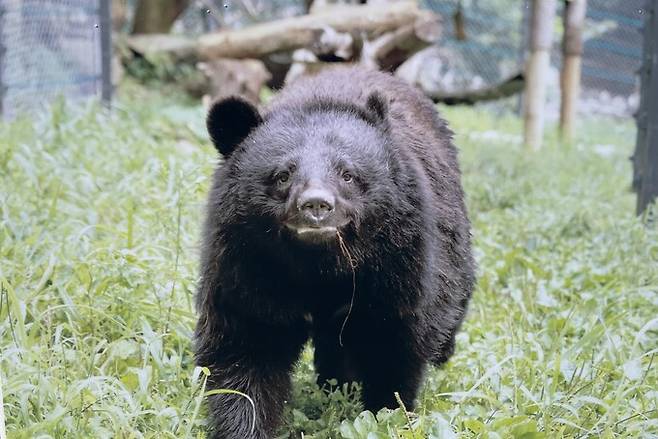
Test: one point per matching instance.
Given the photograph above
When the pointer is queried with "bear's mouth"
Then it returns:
(312, 234)
(307, 230)
(317, 230)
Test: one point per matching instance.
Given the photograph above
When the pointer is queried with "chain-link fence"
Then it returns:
(209, 15)
(485, 39)
(50, 48)
(484, 43)
(490, 37)
(612, 56)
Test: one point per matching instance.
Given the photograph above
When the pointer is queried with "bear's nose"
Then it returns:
(316, 204)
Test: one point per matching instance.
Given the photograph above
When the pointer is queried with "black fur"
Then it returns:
(230, 121)
(376, 149)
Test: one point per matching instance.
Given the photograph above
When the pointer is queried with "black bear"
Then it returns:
(338, 214)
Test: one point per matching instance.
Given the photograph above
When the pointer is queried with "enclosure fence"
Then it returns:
(50, 48)
(612, 56)
(645, 158)
(484, 42)
(62, 47)
(490, 37)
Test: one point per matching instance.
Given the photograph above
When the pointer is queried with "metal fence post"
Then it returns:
(645, 159)
(2, 56)
(105, 19)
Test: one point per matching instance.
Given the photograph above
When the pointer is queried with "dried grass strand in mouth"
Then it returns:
(346, 252)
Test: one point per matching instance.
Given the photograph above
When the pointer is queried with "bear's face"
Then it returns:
(308, 174)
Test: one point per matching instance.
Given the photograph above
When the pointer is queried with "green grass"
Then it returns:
(99, 229)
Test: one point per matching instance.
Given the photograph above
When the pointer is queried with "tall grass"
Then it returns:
(99, 225)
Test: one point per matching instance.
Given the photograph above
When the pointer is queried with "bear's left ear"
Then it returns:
(377, 107)
(230, 121)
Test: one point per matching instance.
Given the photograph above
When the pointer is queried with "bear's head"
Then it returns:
(310, 174)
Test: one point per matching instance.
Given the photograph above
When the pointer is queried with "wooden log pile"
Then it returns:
(380, 34)
(300, 32)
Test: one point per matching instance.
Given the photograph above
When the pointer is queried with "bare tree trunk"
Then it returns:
(572, 46)
(157, 16)
(119, 14)
(541, 39)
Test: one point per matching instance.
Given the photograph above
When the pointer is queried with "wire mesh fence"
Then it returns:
(490, 36)
(612, 56)
(486, 37)
(50, 48)
(484, 42)
(209, 15)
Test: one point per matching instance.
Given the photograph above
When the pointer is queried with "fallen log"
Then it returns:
(443, 74)
(231, 77)
(332, 46)
(317, 5)
(297, 32)
(176, 48)
(386, 52)
(390, 50)
(508, 87)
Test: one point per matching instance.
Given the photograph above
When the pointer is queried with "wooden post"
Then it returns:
(572, 49)
(645, 159)
(541, 39)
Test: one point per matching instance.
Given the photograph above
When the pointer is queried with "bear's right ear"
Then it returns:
(230, 121)
(377, 107)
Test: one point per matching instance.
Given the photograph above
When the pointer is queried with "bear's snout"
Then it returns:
(316, 204)
(315, 215)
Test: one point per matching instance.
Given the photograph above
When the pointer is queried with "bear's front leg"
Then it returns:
(253, 359)
(389, 361)
(397, 372)
(332, 361)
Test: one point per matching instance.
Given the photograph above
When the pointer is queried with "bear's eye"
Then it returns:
(283, 177)
(347, 177)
